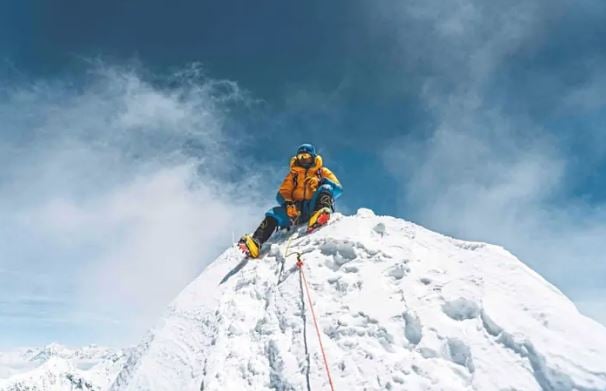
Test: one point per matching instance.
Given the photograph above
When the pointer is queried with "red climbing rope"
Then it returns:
(300, 267)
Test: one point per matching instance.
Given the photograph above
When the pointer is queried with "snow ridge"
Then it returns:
(400, 307)
(57, 368)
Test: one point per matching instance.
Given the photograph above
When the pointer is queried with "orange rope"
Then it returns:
(300, 267)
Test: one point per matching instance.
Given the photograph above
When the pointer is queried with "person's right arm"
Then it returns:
(287, 188)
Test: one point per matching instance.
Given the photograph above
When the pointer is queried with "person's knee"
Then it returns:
(274, 214)
(272, 217)
(279, 215)
(326, 188)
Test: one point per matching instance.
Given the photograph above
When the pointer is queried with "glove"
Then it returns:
(312, 182)
(291, 210)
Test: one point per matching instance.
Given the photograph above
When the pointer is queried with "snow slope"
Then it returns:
(58, 368)
(400, 308)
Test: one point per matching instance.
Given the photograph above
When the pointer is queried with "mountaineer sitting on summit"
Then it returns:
(307, 194)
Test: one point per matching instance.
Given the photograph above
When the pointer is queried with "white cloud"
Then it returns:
(485, 174)
(115, 193)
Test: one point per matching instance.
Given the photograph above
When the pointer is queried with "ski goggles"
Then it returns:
(304, 156)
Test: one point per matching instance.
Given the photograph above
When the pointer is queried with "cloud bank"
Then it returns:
(115, 191)
(495, 163)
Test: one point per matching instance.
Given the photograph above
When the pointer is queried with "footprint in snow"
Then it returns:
(461, 309)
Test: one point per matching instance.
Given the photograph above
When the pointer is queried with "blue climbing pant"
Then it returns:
(305, 207)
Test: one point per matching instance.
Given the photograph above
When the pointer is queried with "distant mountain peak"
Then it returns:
(55, 367)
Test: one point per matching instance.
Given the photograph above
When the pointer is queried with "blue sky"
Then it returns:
(138, 139)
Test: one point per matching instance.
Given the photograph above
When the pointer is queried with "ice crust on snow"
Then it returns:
(400, 308)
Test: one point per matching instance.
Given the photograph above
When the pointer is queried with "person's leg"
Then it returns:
(323, 198)
(275, 217)
(321, 206)
(278, 213)
(265, 229)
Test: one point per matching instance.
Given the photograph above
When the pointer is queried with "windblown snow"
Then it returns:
(399, 307)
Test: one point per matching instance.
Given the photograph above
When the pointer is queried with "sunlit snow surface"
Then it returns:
(58, 368)
(400, 308)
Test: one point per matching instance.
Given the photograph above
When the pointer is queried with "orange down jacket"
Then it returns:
(301, 183)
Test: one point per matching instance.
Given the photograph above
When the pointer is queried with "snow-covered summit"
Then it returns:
(400, 308)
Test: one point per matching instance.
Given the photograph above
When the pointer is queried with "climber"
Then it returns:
(307, 194)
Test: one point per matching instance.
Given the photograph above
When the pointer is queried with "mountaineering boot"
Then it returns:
(249, 246)
(319, 218)
(322, 210)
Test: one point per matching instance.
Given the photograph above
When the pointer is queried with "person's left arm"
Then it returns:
(328, 177)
